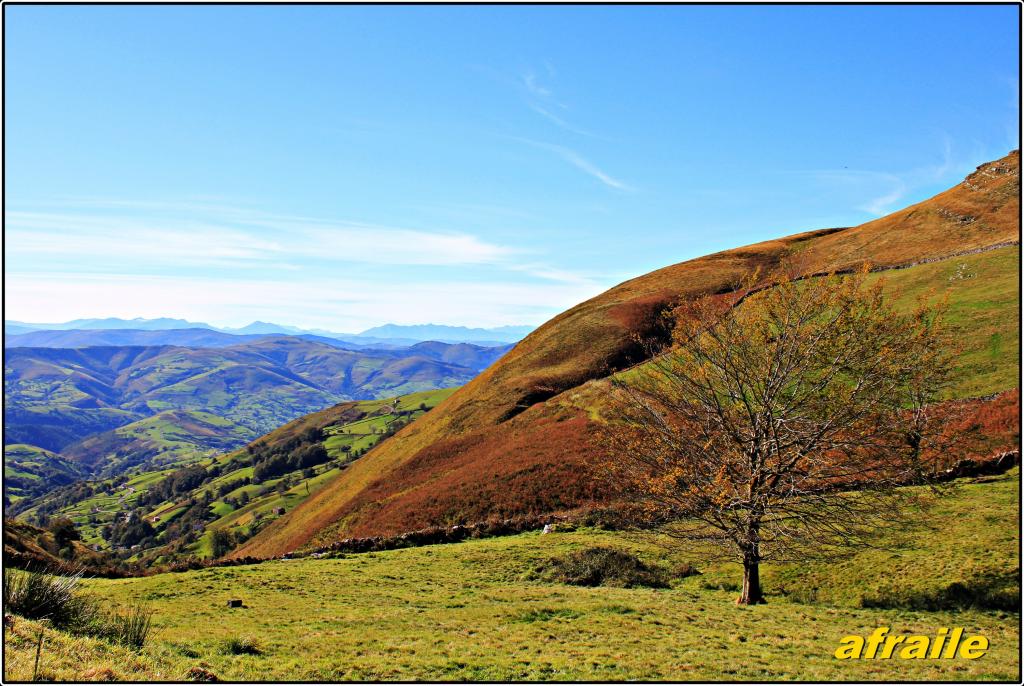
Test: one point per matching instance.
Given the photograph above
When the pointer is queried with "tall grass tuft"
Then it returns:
(36, 595)
(599, 566)
(128, 626)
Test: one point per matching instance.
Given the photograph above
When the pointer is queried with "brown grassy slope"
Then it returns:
(497, 435)
(29, 547)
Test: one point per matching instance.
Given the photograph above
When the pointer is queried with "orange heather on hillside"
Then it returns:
(514, 440)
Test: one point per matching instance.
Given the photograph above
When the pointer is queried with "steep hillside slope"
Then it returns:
(521, 429)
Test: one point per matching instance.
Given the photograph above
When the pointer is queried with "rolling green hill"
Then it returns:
(31, 471)
(168, 438)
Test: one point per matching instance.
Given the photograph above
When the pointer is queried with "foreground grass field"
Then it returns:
(476, 610)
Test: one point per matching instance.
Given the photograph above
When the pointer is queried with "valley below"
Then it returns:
(104, 411)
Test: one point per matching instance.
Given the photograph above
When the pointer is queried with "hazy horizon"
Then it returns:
(212, 325)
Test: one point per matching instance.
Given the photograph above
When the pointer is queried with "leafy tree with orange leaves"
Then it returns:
(782, 419)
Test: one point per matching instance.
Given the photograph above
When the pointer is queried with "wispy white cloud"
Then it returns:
(580, 162)
(542, 99)
(940, 171)
(585, 165)
(238, 236)
(884, 204)
(530, 81)
(231, 265)
(564, 276)
(558, 121)
(882, 192)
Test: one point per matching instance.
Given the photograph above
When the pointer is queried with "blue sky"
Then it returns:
(342, 167)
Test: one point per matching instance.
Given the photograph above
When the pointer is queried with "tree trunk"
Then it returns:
(751, 593)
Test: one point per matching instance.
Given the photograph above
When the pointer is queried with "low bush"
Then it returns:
(718, 584)
(599, 566)
(185, 649)
(241, 646)
(685, 570)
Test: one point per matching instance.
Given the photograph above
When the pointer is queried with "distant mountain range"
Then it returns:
(388, 335)
(189, 338)
(109, 323)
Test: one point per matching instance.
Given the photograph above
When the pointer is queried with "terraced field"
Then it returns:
(30, 471)
(347, 431)
(342, 440)
(110, 498)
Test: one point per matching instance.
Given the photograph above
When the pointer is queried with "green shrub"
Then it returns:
(242, 646)
(718, 584)
(603, 567)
